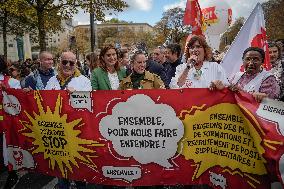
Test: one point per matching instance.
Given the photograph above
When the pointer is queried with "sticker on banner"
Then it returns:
(19, 158)
(52, 130)
(124, 173)
(81, 100)
(222, 132)
(139, 126)
(272, 110)
(11, 104)
(218, 180)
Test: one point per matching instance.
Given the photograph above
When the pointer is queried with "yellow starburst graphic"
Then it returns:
(58, 139)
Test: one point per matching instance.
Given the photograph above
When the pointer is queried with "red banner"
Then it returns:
(209, 15)
(193, 16)
(146, 137)
(230, 15)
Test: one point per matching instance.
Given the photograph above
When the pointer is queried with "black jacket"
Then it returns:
(170, 69)
(159, 70)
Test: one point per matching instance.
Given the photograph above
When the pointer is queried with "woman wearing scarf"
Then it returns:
(109, 74)
(140, 78)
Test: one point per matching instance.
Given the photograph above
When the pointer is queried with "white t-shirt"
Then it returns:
(80, 83)
(209, 72)
(114, 81)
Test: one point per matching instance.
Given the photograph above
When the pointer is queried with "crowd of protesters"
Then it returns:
(134, 68)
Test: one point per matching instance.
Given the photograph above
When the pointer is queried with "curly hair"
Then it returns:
(135, 54)
(259, 50)
(203, 43)
(102, 54)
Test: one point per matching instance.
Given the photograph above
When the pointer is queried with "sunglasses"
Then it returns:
(65, 62)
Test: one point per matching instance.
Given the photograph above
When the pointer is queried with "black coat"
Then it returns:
(159, 70)
(170, 69)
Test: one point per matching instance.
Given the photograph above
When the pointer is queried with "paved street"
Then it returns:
(30, 181)
(35, 181)
(3, 178)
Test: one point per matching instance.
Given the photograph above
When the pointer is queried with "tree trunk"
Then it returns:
(5, 22)
(41, 30)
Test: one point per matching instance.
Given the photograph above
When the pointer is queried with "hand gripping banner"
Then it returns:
(146, 137)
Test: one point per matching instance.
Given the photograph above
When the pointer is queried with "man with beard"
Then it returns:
(277, 65)
(173, 57)
(255, 79)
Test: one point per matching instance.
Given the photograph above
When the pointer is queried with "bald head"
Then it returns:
(67, 64)
(68, 56)
(46, 60)
(44, 54)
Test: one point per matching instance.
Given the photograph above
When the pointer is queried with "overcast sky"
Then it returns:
(150, 11)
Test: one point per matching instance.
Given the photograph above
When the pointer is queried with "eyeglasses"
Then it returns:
(253, 59)
(195, 46)
(65, 62)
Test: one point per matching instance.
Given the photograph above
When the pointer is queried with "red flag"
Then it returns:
(193, 16)
(252, 34)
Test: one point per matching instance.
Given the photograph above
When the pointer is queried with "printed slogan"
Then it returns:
(146, 137)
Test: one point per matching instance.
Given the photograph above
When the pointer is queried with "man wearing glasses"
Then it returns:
(255, 79)
(38, 79)
(68, 77)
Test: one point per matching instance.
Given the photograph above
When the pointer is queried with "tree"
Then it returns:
(123, 36)
(82, 42)
(229, 36)
(13, 21)
(105, 33)
(115, 21)
(273, 13)
(46, 15)
(171, 25)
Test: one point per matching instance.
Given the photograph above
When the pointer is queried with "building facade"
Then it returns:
(18, 47)
(60, 39)
(134, 27)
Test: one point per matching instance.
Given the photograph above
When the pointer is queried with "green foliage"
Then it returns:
(99, 7)
(273, 13)
(115, 21)
(46, 15)
(123, 36)
(171, 24)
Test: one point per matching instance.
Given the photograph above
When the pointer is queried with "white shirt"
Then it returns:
(13, 83)
(210, 71)
(254, 84)
(80, 83)
(114, 81)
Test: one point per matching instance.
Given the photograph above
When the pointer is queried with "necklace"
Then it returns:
(197, 74)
